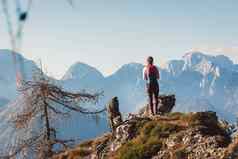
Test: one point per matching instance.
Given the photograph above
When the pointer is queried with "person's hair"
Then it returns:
(150, 60)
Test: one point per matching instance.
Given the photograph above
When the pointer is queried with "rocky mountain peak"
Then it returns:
(194, 135)
(81, 70)
(174, 135)
(192, 59)
(129, 68)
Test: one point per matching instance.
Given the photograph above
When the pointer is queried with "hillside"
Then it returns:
(174, 136)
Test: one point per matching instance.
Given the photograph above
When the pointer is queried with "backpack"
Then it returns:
(152, 74)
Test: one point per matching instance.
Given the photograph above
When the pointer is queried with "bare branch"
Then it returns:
(43, 101)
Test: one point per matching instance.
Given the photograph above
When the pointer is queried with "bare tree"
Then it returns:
(45, 101)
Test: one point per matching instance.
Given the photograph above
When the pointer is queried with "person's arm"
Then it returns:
(157, 73)
(145, 74)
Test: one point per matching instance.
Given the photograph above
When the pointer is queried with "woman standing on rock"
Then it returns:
(151, 75)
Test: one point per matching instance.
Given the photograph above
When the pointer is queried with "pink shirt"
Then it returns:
(146, 72)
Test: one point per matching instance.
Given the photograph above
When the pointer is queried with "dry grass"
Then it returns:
(83, 150)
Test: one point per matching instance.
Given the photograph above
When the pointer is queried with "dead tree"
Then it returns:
(46, 101)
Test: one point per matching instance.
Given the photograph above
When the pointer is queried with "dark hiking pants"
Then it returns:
(153, 93)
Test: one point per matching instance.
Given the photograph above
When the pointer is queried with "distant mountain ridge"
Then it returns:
(201, 83)
(8, 72)
(211, 80)
(196, 76)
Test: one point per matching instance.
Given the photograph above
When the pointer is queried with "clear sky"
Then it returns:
(109, 33)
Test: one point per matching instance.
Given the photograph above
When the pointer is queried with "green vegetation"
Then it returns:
(151, 134)
(169, 136)
(177, 115)
(137, 149)
(149, 141)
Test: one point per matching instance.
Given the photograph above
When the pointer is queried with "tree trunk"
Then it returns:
(47, 127)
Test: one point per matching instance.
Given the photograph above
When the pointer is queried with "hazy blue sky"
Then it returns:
(109, 33)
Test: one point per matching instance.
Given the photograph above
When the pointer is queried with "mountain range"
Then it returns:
(200, 82)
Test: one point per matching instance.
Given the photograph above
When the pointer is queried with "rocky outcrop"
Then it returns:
(197, 135)
(114, 115)
(166, 104)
